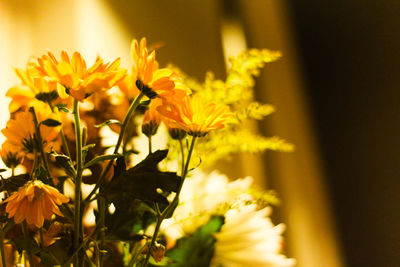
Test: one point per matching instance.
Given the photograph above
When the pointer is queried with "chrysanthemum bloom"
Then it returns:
(34, 202)
(33, 87)
(78, 80)
(248, 238)
(11, 157)
(195, 116)
(202, 196)
(20, 131)
(151, 80)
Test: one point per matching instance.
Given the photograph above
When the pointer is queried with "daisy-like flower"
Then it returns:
(10, 156)
(34, 202)
(248, 238)
(151, 80)
(202, 196)
(33, 87)
(78, 80)
(195, 116)
(20, 131)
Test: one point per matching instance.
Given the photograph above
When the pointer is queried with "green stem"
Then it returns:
(167, 211)
(183, 156)
(40, 144)
(128, 116)
(64, 143)
(63, 139)
(78, 181)
(153, 239)
(27, 243)
(3, 255)
(150, 144)
(137, 249)
(41, 238)
(101, 202)
(35, 162)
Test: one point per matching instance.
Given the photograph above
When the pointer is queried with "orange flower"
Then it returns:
(78, 80)
(34, 202)
(32, 88)
(151, 80)
(20, 131)
(195, 116)
(11, 157)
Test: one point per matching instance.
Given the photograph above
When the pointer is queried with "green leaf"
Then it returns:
(143, 180)
(3, 170)
(47, 259)
(101, 158)
(51, 123)
(13, 183)
(63, 108)
(196, 250)
(65, 162)
(108, 122)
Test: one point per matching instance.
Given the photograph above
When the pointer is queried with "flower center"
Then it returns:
(39, 193)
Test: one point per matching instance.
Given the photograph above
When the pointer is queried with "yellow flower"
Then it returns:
(248, 238)
(11, 157)
(78, 80)
(195, 116)
(34, 202)
(33, 88)
(20, 131)
(151, 80)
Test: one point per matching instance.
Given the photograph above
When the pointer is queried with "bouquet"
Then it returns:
(82, 190)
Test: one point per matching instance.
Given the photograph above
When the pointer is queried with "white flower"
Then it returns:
(202, 196)
(248, 238)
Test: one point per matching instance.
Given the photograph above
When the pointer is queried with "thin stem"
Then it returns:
(186, 169)
(153, 240)
(27, 243)
(64, 143)
(166, 212)
(128, 116)
(150, 144)
(40, 143)
(3, 255)
(78, 181)
(183, 156)
(35, 162)
(101, 202)
(41, 238)
(63, 139)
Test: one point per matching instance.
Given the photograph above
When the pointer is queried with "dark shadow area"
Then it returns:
(351, 57)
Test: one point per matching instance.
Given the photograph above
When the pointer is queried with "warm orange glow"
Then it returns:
(34, 202)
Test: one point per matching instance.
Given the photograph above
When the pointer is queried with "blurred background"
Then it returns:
(335, 90)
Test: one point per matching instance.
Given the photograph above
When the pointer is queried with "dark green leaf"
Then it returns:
(51, 123)
(3, 170)
(13, 183)
(108, 122)
(46, 259)
(143, 180)
(65, 162)
(127, 221)
(101, 158)
(63, 108)
(196, 250)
